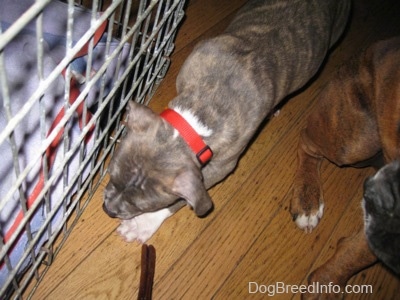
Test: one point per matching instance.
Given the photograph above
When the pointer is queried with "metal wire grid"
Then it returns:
(149, 27)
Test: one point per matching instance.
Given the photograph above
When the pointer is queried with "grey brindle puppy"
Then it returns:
(226, 88)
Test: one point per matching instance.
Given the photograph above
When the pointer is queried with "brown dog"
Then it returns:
(357, 122)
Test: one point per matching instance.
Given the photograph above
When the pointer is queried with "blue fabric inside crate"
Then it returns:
(20, 58)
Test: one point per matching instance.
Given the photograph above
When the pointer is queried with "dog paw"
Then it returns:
(308, 222)
(307, 204)
(142, 227)
(135, 230)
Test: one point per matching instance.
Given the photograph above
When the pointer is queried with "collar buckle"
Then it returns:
(202, 151)
(204, 155)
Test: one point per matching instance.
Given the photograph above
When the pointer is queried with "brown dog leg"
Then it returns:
(307, 205)
(352, 255)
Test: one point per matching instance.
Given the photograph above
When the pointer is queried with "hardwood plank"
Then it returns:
(282, 253)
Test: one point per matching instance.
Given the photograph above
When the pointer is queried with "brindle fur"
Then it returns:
(230, 83)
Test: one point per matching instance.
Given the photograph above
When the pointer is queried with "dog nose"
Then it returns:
(109, 213)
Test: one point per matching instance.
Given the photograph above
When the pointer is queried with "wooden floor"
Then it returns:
(250, 236)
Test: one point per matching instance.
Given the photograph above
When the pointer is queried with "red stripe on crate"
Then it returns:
(51, 151)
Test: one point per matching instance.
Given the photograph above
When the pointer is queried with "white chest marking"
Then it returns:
(199, 127)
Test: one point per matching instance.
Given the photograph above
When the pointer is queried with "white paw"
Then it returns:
(308, 223)
(142, 227)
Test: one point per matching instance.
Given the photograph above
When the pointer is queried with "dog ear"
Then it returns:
(189, 186)
(140, 117)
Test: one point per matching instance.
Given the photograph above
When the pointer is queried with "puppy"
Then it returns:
(226, 87)
(356, 123)
(381, 204)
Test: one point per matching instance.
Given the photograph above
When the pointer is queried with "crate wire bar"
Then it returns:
(128, 62)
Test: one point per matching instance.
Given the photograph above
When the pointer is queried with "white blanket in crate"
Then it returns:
(20, 57)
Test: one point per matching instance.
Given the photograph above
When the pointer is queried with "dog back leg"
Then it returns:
(352, 255)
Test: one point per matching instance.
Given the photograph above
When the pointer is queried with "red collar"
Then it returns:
(194, 141)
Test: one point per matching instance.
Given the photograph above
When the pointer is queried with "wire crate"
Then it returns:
(67, 71)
